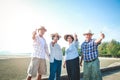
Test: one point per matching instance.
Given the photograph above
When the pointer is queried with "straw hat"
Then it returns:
(67, 35)
(42, 28)
(55, 34)
(88, 32)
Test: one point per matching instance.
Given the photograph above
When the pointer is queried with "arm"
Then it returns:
(75, 37)
(34, 35)
(64, 64)
(102, 36)
(76, 41)
(46, 50)
(81, 60)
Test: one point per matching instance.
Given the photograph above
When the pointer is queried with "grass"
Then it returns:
(16, 68)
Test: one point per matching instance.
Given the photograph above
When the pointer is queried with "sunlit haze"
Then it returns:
(18, 18)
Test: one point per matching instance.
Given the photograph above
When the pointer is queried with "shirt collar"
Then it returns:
(88, 41)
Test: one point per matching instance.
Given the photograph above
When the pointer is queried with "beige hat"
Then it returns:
(67, 35)
(42, 28)
(55, 34)
(88, 32)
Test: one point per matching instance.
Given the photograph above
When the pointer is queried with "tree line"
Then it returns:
(110, 49)
(106, 49)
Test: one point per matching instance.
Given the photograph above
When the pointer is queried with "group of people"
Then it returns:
(71, 60)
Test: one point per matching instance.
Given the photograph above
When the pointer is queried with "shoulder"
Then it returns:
(93, 39)
(43, 39)
(50, 44)
(58, 45)
(36, 38)
(83, 43)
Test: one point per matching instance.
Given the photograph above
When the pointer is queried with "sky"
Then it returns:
(18, 18)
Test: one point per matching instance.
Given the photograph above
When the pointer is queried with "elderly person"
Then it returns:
(89, 49)
(38, 62)
(55, 57)
(72, 57)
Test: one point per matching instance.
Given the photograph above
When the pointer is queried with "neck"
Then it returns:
(40, 35)
(87, 40)
(54, 41)
(69, 43)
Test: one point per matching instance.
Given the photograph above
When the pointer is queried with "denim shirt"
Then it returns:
(72, 51)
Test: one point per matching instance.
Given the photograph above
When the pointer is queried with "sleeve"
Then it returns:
(76, 43)
(36, 41)
(46, 49)
(60, 50)
(36, 38)
(50, 49)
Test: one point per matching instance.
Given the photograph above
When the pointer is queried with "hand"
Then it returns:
(81, 64)
(63, 65)
(49, 57)
(75, 36)
(34, 32)
(102, 36)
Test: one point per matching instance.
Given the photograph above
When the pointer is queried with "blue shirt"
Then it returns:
(89, 50)
(71, 51)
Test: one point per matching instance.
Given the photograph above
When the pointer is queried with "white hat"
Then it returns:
(88, 32)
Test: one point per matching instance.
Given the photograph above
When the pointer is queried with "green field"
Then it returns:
(15, 69)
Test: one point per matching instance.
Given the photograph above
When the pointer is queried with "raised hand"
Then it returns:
(75, 36)
(34, 33)
(102, 36)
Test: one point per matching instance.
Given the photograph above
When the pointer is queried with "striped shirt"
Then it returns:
(89, 50)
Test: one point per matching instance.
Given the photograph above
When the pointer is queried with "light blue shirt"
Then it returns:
(72, 51)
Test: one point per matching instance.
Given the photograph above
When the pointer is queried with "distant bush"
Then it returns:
(109, 49)
(63, 50)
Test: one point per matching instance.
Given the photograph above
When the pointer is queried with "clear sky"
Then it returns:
(18, 18)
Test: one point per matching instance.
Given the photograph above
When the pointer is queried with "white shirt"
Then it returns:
(40, 48)
(55, 52)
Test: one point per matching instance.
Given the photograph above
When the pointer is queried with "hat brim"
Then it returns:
(43, 29)
(88, 33)
(56, 34)
(67, 35)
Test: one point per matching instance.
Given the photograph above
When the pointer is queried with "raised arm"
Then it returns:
(34, 34)
(102, 36)
(76, 40)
